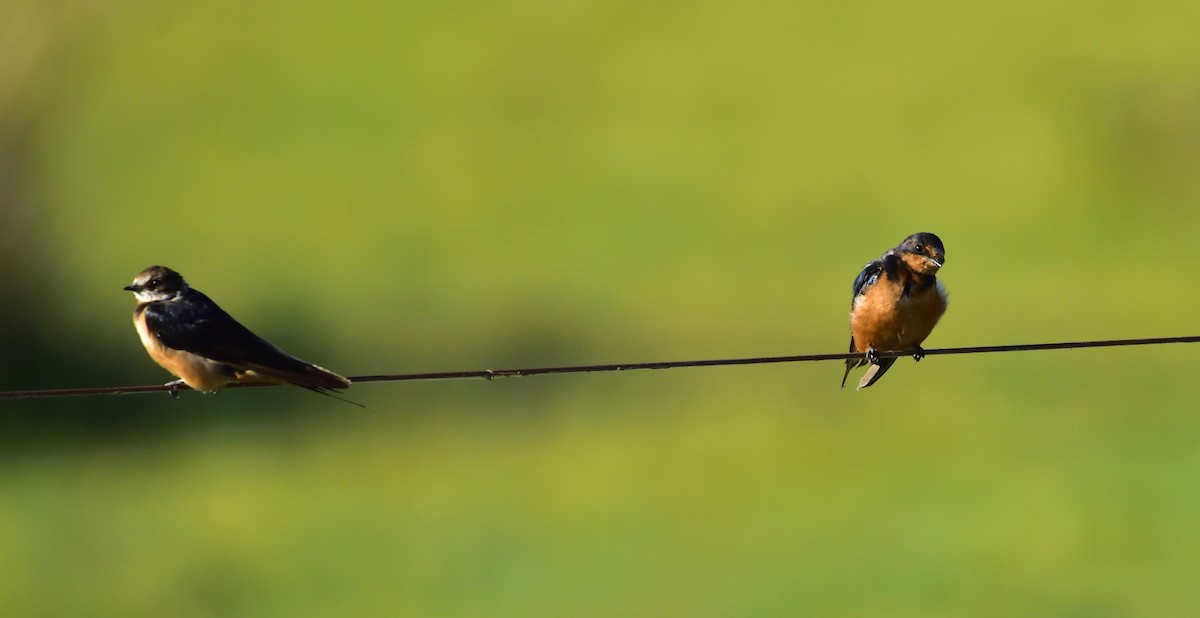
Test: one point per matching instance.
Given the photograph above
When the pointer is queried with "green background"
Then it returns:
(427, 186)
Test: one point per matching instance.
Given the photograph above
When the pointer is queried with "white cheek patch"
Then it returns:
(149, 296)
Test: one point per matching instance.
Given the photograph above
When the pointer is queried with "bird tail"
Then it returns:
(874, 372)
(332, 395)
(315, 376)
(312, 377)
(307, 375)
(851, 363)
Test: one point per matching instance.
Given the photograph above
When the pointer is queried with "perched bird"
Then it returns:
(194, 339)
(897, 301)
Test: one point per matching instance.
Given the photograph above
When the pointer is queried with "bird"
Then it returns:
(897, 301)
(190, 336)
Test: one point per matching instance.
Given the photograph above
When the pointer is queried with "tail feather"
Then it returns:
(851, 363)
(874, 372)
(310, 376)
(332, 395)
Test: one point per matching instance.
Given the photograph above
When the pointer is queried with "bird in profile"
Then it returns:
(202, 345)
(896, 303)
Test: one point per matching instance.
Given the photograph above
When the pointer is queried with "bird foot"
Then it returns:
(174, 388)
(873, 355)
(918, 353)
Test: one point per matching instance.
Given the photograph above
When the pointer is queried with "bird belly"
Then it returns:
(919, 314)
(198, 372)
(885, 319)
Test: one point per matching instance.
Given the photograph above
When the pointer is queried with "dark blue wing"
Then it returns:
(865, 279)
(196, 324)
(869, 275)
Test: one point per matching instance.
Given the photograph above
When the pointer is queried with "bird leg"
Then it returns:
(174, 386)
(872, 355)
(918, 353)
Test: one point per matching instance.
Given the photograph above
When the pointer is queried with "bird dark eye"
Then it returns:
(155, 282)
(919, 248)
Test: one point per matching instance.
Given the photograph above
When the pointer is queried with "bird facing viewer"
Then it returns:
(897, 301)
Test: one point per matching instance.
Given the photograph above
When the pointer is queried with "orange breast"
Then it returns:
(196, 371)
(885, 319)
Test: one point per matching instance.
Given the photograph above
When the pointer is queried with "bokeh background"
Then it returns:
(425, 186)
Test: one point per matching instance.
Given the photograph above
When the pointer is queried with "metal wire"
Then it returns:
(490, 374)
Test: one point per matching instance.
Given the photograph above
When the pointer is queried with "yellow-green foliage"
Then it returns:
(389, 187)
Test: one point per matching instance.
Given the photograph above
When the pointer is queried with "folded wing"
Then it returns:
(198, 325)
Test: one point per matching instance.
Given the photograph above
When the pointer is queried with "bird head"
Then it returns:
(157, 283)
(923, 253)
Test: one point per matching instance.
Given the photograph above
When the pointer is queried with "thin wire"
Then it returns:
(490, 374)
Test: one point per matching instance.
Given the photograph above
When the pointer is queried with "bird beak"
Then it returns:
(130, 288)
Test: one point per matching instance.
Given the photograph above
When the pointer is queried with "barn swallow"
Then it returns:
(194, 339)
(897, 301)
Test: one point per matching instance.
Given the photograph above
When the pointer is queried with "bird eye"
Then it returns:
(155, 282)
(919, 248)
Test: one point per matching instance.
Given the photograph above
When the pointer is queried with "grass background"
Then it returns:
(425, 186)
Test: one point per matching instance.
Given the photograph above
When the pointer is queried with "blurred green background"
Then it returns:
(400, 187)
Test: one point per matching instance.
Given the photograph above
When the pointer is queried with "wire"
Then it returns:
(490, 374)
